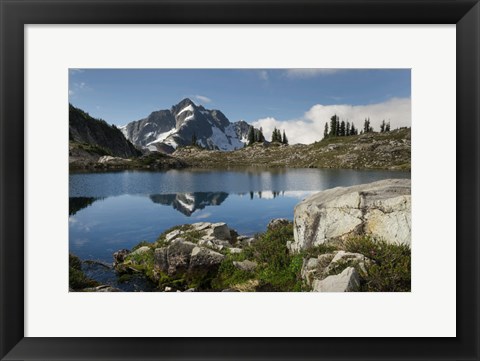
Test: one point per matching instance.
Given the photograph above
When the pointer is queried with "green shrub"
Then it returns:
(141, 262)
(319, 249)
(390, 270)
(77, 280)
(228, 275)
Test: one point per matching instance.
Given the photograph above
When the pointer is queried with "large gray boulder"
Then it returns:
(205, 260)
(380, 209)
(183, 257)
(213, 235)
(178, 256)
(347, 281)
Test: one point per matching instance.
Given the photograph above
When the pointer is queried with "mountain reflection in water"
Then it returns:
(188, 203)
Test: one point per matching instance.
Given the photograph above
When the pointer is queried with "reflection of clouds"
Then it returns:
(268, 195)
(80, 242)
(298, 194)
(81, 226)
(202, 216)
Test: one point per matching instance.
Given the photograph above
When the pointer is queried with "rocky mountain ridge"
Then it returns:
(165, 130)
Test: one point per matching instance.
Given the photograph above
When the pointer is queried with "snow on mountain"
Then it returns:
(162, 136)
(189, 108)
(165, 130)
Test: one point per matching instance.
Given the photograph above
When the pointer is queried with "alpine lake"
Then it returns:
(109, 211)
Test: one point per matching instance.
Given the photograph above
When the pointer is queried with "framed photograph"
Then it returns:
(243, 180)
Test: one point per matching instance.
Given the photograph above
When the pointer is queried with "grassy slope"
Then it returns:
(367, 151)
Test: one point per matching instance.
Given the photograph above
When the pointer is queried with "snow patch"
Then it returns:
(190, 197)
(185, 205)
(162, 136)
(188, 108)
(220, 139)
(171, 142)
(235, 142)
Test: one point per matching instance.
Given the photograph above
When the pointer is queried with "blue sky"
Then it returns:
(264, 97)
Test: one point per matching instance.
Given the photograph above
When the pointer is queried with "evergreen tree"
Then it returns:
(342, 129)
(333, 126)
(260, 137)
(337, 133)
(387, 127)
(353, 130)
(284, 138)
(194, 139)
(274, 135)
(325, 132)
(366, 125)
(347, 129)
(251, 135)
(382, 126)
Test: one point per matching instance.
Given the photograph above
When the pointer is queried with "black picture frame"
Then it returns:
(17, 13)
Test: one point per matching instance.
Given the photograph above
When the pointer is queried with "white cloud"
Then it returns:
(202, 99)
(310, 127)
(302, 73)
(202, 216)
(70, 92)
(263, 75)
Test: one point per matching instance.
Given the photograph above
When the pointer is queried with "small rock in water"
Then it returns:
(119, 256)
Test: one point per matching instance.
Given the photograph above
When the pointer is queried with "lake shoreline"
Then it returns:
(206, 257)
(388, 151)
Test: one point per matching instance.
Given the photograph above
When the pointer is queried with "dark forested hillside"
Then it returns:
(102, 137)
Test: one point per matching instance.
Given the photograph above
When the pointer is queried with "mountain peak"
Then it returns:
(182, 123)
(185, 103)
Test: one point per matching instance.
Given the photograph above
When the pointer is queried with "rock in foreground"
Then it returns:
(380, 209)
(347, 281)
